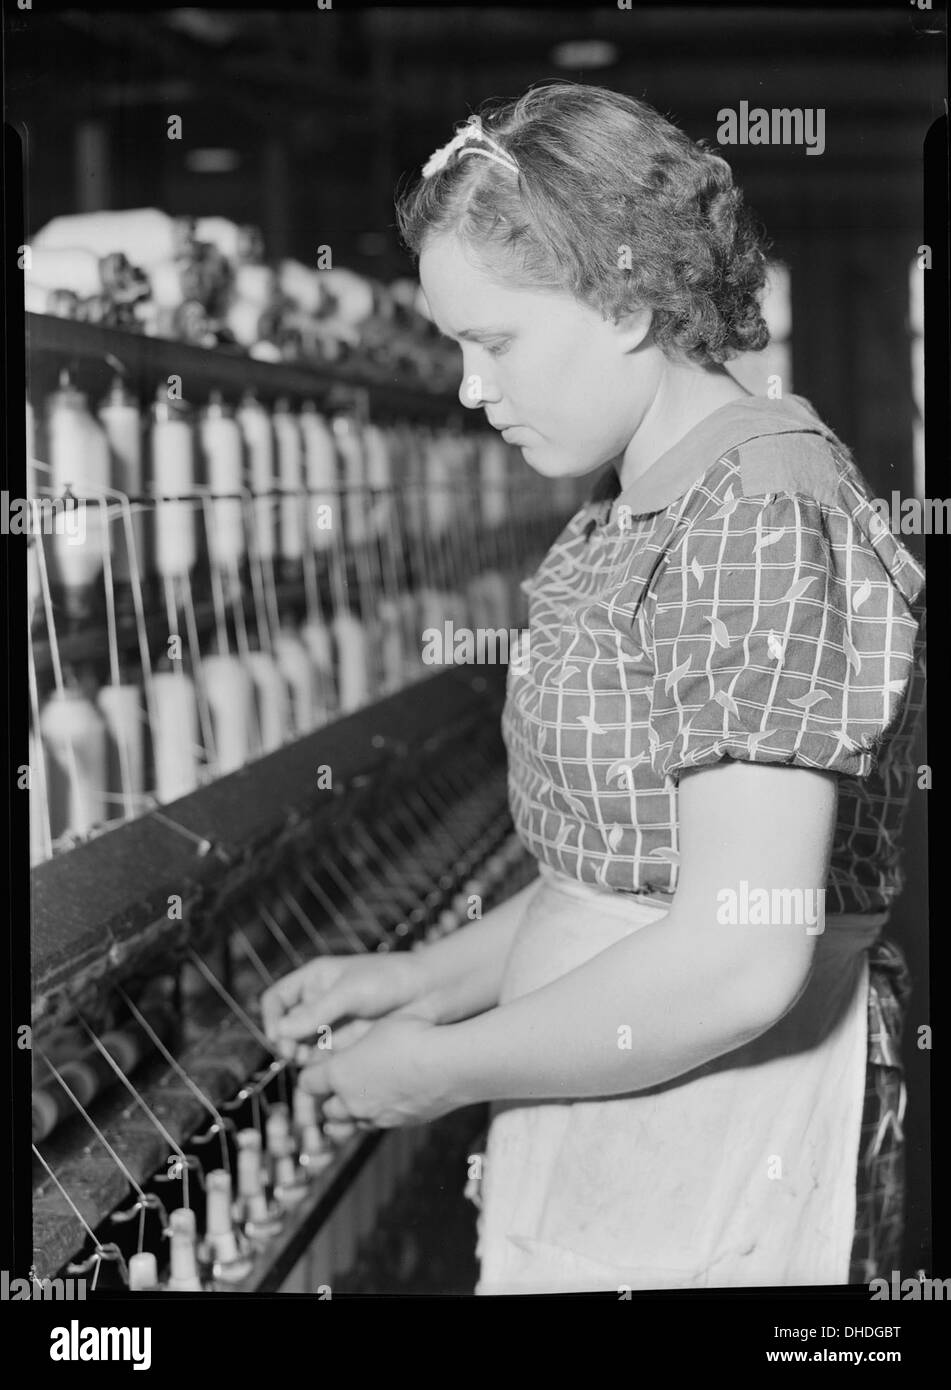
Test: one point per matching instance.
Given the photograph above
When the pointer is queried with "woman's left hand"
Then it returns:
(389, 1078)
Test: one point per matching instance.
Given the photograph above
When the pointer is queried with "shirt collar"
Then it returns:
(735, 423)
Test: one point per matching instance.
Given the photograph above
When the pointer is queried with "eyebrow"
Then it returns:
(476, 334)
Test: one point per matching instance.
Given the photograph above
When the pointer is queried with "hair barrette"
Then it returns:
(463, 142)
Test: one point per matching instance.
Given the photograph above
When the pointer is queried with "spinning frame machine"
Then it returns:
(240, 762)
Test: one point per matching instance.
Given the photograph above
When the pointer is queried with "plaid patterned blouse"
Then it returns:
(742, 599)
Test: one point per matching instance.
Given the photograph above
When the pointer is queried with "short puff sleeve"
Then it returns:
(779, 636)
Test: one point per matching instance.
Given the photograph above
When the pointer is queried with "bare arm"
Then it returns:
(461, 975)
(442, 982)
(690, 988)
(686, 989)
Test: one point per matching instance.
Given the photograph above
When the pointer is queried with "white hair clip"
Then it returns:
(462, 141)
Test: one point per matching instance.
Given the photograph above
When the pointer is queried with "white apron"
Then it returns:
(742, 1173)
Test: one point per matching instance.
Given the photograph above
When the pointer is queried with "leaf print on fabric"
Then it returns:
(615, 837)
(861, 594)
(671, 856)
(768, 538)
(730, 504)
(541, 742)
(696, 569)
(565, 675)
(798, 589)
(754, 740)
(727, 702)
(623, 654)
(653, 738)
(577, 806)
(587, 722)
(561, 839)
(673, 676)
(776, 646)
(720, 634)
(812, 697)
(896, 686)
(624, 765)
(852, 656)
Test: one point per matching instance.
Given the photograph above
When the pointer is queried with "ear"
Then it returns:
(633, 329)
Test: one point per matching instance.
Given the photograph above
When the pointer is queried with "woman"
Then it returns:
(708, 752)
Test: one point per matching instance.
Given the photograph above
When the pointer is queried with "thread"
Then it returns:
(173, 473)
(258, 434)
(222, 456)
(272, 701)
(75, 738)
(121, 707)
(122, 423)
(79, 462)
(320, 462)
(230, 693)
(174, 735)
(352, 679)
(183, 1256)
(290, 472)
(295, 666)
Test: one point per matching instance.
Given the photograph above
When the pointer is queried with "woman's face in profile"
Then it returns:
(571, 383)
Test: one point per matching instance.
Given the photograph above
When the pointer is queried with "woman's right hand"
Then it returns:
(331, 989)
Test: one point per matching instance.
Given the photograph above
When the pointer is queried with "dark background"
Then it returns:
(325, 110)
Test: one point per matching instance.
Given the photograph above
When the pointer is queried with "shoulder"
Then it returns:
(809, 465)
(805, 481)
(795, 469)
(785, 448)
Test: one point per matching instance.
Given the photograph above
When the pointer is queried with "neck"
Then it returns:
(685, 394)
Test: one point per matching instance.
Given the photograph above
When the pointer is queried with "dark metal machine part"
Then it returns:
(100, 924)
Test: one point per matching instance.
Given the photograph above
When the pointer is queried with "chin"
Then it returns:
(554, 465)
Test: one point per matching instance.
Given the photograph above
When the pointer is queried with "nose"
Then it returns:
(476, 389)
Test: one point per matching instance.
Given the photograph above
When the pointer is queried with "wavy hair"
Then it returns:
(613, 204)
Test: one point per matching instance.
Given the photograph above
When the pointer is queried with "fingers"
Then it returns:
(340, 1131)
(273, 1006)
(306, 1019)
(335, 1111)
(315, 1079)
(285, 994)
(341, 1036)
(351, 1032)
(297, 1006)
(339, 1125)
